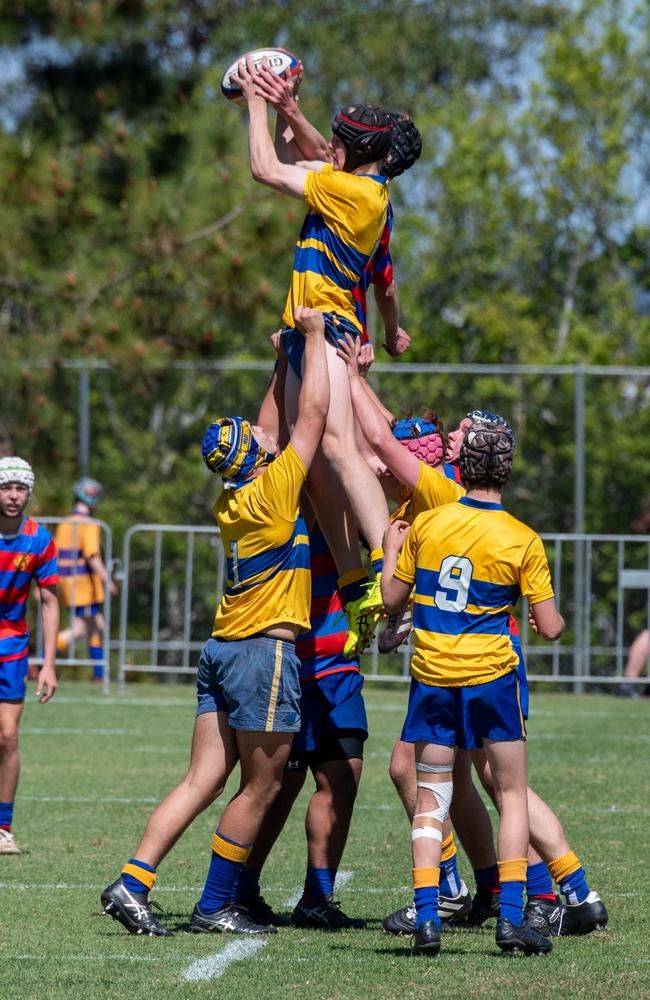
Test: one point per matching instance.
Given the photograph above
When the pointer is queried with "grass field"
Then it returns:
(93, 767)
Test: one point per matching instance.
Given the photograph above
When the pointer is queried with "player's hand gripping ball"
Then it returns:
(280, 61)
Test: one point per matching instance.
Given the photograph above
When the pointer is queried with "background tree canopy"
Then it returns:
(133, 232)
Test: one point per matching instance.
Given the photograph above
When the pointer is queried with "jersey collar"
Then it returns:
(480, 504)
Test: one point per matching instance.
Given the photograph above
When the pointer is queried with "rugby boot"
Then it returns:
(260, 912)
(397, 630)
(132, 910)
(523, 940)
(585, 917)
(325, 915)
(231, 919)
(401, 921)
(363, 616)
(455, 907)
(426, 940)
(7, 843)
(450, 908)
(545, 915)
(485, 905)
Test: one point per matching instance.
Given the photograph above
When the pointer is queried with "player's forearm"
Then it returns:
(387, 299)
(314, 399)
(309, 142)
(394, 593)
(371, 420)
(271, 413)
(262, 154)
(98, 568)
(51, 619)
(388, 416)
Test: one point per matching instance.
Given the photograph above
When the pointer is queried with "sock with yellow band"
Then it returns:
(426, 894)
(228, 859)
(138, 876)
(449, 874)
(96, 650)
(512, 876)
(352, 585)
(570, 876)
(377, 559)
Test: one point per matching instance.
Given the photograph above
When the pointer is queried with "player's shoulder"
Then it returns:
(34, 529)
(517, 527)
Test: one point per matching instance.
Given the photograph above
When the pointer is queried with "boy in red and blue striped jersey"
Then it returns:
(27, 553)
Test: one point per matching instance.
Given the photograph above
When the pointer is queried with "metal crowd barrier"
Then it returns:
(173, 576)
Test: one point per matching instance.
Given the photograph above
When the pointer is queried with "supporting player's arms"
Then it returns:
(314, 399)
(401, 462)
(47, 682)
(394, 592)
(271, 414)
(546, 620)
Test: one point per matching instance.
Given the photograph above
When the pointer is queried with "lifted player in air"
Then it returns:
(550, 856)
(248, 688)
(27, 553)
(467, 563)
(347, 202)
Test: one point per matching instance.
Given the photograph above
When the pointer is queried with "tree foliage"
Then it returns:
(133, 232)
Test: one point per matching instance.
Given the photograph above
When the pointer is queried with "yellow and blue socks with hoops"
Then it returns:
(512, 876)
(226, 865)
(449, 874)
(570, 876)
(539, 883)
(426, 894)
(352, 585)
(138, 876)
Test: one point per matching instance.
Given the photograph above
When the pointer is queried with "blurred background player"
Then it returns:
(467, 563)
(347, 202)
(83, 574)
(27, 554)
(248, 689)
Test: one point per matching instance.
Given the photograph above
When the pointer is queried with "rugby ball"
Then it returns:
(280, 61)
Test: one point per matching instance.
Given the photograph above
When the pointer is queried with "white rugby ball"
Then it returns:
(280, 61)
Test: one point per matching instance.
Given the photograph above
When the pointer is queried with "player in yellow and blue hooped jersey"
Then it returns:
(347, 203)
(330, 744)
(467, 564)
(27, 556)
(248, 688)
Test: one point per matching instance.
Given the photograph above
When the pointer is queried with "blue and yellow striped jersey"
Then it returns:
(267, 550)
(338, 238)
(433, 490)
(469, 562)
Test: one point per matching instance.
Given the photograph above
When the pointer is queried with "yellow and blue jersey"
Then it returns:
(433, 489)
(267, 550)
(338, 239)
(469, 562)
(77, 540)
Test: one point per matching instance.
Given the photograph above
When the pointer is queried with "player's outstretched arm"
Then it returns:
(546, 620)
(314, 399)
(402, 463)
(47, 681)
(271, 414)
(295, 137)
(265, 165)
(394, 592)
(396, 340)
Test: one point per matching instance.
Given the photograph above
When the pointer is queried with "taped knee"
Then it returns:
(443, 791)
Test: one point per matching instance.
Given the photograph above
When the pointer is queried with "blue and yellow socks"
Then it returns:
(248, 884)
(352, 585)
(96, 649)
(377, 560)
(449, 874)
(226, 865)
(570, 876)
(6, 815)
(425, 895)
(512, 878)
(138, 876)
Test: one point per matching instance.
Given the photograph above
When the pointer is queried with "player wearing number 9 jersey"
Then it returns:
(467, 563)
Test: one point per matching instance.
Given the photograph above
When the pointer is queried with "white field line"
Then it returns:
(88, 798)
(342, 879)
(125, 702)
(75, 731)
(59, 957)
(215, 965)
(86, 887)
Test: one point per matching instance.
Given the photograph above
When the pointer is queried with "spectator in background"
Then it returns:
(83, 574)
(637, 658)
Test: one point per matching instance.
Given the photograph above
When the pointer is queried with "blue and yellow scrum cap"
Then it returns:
(231, 451)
